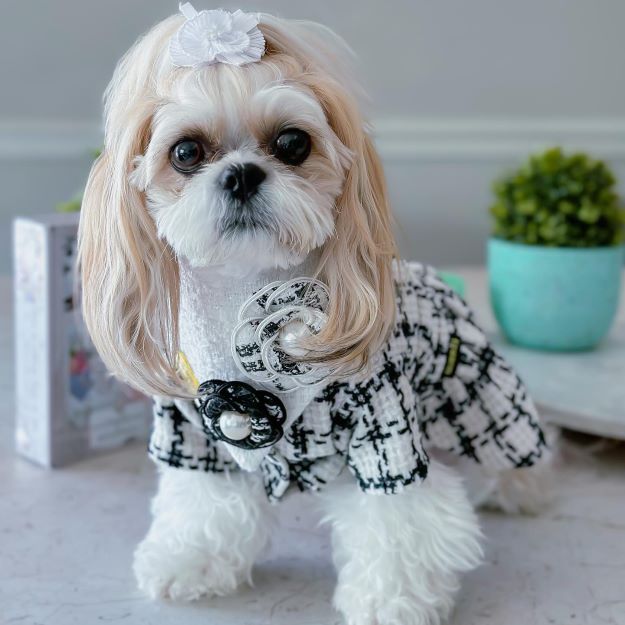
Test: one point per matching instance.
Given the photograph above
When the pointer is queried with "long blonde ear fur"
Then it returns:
(129, 276)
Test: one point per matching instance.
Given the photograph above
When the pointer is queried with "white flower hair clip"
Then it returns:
(217, 36)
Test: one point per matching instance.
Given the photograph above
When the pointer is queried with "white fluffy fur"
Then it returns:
(207, 532)
(399, 557)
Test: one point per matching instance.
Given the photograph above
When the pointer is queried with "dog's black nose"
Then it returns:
(242, 180)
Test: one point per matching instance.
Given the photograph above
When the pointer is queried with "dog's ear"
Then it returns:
(357, 262)
(129, 277)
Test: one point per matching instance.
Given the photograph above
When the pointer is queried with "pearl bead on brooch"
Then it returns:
(291, 337)
(234, 425)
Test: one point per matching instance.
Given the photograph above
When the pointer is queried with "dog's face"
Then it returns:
(236, 169)
(242, 171)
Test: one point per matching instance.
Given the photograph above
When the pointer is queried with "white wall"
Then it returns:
(459, 90)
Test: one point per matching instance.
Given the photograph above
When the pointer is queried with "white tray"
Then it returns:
(582, 391)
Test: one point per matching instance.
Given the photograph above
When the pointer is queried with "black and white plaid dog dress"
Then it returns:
(438, 383)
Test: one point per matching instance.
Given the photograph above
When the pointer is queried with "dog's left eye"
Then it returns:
(292, 146)
(186, 156)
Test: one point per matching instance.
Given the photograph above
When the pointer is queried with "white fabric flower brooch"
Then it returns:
(266, 343)
(217, 36)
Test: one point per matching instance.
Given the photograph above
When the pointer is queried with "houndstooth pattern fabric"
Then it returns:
(437, 384)
(177, 442)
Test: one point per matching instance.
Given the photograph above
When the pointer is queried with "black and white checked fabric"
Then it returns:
(438, 383)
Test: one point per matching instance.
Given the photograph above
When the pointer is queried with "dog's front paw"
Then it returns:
(400, 558)
(184, 573)
(207, 532)
(401, 605)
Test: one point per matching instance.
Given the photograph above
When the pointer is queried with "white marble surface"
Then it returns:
(66, 540)
(584, 391)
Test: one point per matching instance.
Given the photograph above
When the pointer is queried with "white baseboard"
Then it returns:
(41, 140)
(440, 172)
(398, 138)
(458, 140)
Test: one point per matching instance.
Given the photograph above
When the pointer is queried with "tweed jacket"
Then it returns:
(437, 383)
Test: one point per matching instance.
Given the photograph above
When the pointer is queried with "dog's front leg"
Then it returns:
(399, 556)
(208, 529)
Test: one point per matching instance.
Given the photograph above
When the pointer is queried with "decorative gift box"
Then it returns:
(67, 405)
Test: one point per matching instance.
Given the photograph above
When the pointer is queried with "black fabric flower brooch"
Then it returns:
(238, 414)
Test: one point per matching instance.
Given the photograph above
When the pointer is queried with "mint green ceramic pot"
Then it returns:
(554, 298)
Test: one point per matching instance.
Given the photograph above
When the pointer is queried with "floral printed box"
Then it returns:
(67, 405)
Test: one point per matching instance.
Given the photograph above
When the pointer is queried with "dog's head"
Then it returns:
(240, 169)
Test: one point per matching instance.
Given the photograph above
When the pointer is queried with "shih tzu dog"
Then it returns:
(238, 263)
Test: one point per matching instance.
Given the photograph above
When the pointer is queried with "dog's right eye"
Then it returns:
(186, 156)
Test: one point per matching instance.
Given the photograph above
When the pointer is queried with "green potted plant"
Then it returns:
(556, 254)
